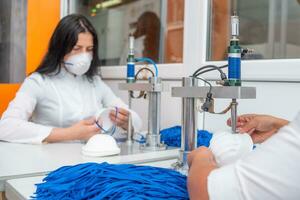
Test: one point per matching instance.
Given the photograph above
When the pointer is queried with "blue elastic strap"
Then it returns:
(108, 181)
(66, 63)
(113, 129)
(148, 60)
(141, 140)
(172, 137)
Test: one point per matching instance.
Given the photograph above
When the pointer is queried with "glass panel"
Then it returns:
(270, 27)
(156, 24)
(12, 40)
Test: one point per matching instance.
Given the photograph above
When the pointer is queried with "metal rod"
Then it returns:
(233, 115)
(154, 113)
(188, 132)
(129, 128)
(153, 136)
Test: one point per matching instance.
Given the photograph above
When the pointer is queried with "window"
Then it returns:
(270, 27)
(12, 40)
(155, 24)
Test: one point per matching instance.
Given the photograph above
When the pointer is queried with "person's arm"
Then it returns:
(269, 172)
(15, 125)
(83, 130)
(254, 174)
(201, 162)
(279, 123)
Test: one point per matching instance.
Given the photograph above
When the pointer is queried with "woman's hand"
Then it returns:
(259, 127)
(121, 119)
(82, 130)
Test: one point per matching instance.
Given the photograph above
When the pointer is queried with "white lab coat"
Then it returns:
(271, 171)
(45, 102)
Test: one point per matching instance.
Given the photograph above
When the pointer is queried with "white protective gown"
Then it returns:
(270, 172)
(45, 102)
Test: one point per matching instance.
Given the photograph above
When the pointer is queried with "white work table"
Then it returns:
(24, 188)
(24, 160)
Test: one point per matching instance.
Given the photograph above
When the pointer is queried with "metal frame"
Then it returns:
(222, 92)
(153, 89)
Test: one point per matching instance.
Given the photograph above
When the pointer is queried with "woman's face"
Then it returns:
(84, 45)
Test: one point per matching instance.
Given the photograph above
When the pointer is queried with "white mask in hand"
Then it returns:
(78, 64)
(228, 148)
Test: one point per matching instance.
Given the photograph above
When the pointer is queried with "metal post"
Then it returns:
(188, 132)
(129, 128)
(233, 115)
(153, 136)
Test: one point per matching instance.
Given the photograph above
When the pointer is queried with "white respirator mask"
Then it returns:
(78, 64)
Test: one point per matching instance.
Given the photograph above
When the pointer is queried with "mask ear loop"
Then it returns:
(113, 129)
(66, 63)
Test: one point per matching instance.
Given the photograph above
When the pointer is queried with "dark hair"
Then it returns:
(62, 41)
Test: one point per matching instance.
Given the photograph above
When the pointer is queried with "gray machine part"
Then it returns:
(130, 130)
(153, 136)
(189, 92)
(188, 131)
(221, 92)
(153, 89)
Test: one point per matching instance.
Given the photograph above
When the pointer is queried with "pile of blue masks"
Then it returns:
(110, 181)
(172, 137)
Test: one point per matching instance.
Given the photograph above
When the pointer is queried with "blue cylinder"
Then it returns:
(130, 71)
(234, 66)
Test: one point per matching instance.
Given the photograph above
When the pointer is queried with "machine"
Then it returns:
(230, 89)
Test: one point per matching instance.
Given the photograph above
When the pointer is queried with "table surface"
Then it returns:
(23, 188)
(25, 160)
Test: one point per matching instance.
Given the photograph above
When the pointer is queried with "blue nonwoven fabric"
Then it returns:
(112, 181)
(172, 137)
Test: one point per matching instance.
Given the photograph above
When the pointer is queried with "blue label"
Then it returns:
(130, 70)
(234, 68)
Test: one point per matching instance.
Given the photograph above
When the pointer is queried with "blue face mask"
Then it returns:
(78, 64)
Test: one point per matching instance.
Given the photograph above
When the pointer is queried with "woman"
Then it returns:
(147, 36)
(59, 100)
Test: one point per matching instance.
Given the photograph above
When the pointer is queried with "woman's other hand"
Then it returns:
(120, 118)
(84, 129)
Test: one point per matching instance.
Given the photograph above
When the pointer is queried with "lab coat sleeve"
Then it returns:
(222, 183)
(15, 125)
(271, 171)
(109, 99)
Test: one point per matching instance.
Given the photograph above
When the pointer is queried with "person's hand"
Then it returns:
(259, 127)
(121, 119)
(203, 155)
(84, 129)
(201, 163)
